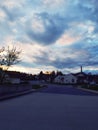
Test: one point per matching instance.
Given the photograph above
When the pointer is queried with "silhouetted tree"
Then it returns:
(8, 57)
(52, 75)
(59, 73)
(41, 75)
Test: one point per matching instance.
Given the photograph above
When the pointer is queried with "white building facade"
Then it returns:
(66, 79)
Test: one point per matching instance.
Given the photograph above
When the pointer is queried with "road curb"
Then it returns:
(89, 90)
(16, 94)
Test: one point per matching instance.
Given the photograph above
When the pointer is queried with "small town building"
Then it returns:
(66, 79)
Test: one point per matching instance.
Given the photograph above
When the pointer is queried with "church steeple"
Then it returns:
(81, 69)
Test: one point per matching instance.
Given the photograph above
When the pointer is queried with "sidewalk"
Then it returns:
(8, 96)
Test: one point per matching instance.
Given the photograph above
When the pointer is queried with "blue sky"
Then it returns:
(53, 34)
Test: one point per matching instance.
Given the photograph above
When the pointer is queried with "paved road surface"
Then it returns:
(50, 110)
(63, 89)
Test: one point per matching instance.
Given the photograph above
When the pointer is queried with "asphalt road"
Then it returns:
(65, 89)
(50, 111)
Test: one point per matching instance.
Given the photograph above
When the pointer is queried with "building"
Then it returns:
(66, 79)
(14, 78)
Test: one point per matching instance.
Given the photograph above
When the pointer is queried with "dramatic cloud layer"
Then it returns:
(53, 34)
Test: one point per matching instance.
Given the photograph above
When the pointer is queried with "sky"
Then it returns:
(52, 34)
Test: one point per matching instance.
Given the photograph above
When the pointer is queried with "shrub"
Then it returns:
(92, 87)
(37, 86)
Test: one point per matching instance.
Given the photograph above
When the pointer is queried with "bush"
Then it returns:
(92, 87)
(38, 86)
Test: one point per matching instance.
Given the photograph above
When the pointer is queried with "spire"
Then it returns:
(81, 69)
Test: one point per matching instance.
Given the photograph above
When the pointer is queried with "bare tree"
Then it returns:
(8, 57)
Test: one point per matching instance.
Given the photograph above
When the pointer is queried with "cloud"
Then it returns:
(55, 34)
(33, 70)
(2, 15)
(68, 38)
(11, 3)
(53, 3)
(47, 28)
(68, 58)
(12, 13)
(26, 69)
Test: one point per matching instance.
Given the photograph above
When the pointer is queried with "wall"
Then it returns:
(9, 89)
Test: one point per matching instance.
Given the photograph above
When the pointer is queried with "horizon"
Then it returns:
(52, 34)
(49, 72)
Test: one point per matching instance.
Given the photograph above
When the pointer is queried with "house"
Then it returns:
(93, 79)
(13, 77)
(15, 80)
(59, 79)
(70, 79)
(66, 79)
(81, 77)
